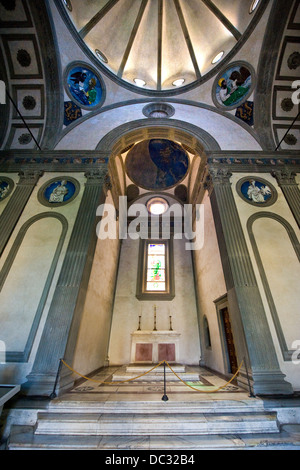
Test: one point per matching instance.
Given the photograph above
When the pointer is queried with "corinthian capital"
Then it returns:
(220, 175)
(285, 176)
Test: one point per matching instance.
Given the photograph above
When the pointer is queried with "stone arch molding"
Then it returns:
(286, 352)
(225, 131)
(13, 356)
(127, 134)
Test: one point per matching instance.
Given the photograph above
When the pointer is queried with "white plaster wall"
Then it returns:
(17, 372)
(93, 337)
(127, 307)
(281, 267)
(210, 286)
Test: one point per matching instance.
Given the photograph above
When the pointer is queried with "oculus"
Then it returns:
(84, 86)
(256, 191)
(233, 86)
(157, 206)
(58, 191)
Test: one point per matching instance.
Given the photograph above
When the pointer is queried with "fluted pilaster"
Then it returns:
(287, 182)
(241, 282)
(16, 205)
(60, 317)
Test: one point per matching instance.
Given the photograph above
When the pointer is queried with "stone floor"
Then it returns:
(113, 390)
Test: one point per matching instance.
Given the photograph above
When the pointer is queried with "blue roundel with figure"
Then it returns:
(84, 86)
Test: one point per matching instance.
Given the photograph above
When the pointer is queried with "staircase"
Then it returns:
(141, 422)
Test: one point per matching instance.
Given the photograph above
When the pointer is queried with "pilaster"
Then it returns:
(243, 289)
(287, 182)
(16, 204)
(60, 320)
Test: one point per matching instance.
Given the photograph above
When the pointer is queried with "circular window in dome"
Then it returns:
(157, 205)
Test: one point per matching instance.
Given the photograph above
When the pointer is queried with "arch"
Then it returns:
(123, 136)
(12, 356)
(286, 353)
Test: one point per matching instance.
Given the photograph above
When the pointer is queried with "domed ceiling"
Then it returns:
(161, 45)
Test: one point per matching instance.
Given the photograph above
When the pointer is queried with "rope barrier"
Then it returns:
(145, 373)
(205, 391)
(111, 383)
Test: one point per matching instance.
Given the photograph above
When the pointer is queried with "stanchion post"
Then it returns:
(251, 394)
(165, 398)
(53, 394)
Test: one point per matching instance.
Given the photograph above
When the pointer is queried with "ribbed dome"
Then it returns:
(161, 41)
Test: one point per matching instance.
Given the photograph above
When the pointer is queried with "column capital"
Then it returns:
(29, 177)
(220, 175)
(97, 176)
(285, 176)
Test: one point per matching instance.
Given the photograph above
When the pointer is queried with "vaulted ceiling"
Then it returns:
(161, 44)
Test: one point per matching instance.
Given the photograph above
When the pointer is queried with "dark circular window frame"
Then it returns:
(148, 92)
(11, 186)
(267, 203)
(45, 202)
(85, 65)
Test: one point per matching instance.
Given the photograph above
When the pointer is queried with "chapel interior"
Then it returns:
(149, 194)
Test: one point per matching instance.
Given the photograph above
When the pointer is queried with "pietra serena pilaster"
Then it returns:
(16, 204)
(56, 332)
(240, 279)
(287, 182)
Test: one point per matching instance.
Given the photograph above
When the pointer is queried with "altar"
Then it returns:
(149, 346)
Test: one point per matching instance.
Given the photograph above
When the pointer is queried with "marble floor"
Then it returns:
(196, 383)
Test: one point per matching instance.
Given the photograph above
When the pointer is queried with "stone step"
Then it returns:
(155, 377)
(72, 403)
(24, 438)
(127, 424)
(139, 369)
(135, 371)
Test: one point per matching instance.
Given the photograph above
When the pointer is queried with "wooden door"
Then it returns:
(229, 340)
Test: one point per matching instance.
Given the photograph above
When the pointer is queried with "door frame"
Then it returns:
(222, 303)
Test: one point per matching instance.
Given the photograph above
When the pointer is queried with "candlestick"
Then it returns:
(139, 328)
(154, 329)
(171, 329)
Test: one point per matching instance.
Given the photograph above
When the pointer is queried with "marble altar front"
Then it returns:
(154, 346)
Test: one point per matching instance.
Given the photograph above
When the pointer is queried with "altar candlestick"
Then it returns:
(154, 329)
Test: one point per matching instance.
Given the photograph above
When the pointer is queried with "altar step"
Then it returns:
(68, 424)
(141, 373)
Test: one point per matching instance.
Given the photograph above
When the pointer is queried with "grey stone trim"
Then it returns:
(13, 356)
(167, 128)
(266, 71)
(48, 44)
(56, 337)
(16, 205)
(162, 121)
(241, 283)
(287, 182)
(286, 353)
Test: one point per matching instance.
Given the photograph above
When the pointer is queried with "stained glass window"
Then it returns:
(155, 278)
(156, 267)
